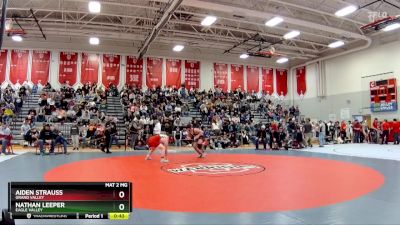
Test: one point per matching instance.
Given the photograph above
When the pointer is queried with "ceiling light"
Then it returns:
(346, 11)
(291, 34)
(336, 44)
(94, 41)
(274, 21)
(94, 6)
(392, 26)
(208, 20)
(178, 48)
(282, 60)
(17, 38)
(244, 56)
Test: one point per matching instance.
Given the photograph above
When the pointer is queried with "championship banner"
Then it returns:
(3, 65)
(90, 68)
(134, 71)
(19, 66)
(252, 78)
(237, 77)
(111, 68)
(68, 69)
(383, 95)
(221, 76)
(192, 74)
(281, 82)
(301, 80)
(174, 73)
(40, 66)
(268, 80)
(154, 72)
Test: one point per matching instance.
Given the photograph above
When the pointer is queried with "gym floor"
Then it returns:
(339, 184)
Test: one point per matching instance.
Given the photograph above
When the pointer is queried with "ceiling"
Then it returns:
(129, 22)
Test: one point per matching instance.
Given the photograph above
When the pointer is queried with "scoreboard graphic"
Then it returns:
(383, 95)
(47, 200)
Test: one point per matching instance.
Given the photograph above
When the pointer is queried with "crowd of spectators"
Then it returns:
(85, 108)
(228, 119)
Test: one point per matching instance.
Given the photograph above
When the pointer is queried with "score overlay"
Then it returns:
(71, 200)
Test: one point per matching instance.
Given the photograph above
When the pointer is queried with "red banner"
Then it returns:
(252, 78)
(90, 68)
(268, 80)
(68, 67)
(174, 73)
(154, 72)
(111, 67)
(281, 82)
(192, 74)
(221, 76)
(134, 71)
(19, 66)
(40, 66)
(3, 65)
(237, 77)
(301, 80)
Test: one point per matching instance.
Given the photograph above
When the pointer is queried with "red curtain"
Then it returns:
(221, 76)
(252, 78)
(68, 67)
(192, 74)
(3, 65)
(111, 67)
(174, 73)
(301, 80)
(281, 82)
(237, 77)
(19, 66)
(154, 72)
(268, 80)
(134, 71)
(40, 66)
(90, 68)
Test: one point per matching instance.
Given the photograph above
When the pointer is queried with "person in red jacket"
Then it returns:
(376, 129)
(357, 131)
(385, 131)
(396, 131)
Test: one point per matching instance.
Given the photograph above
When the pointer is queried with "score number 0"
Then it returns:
(121, 195)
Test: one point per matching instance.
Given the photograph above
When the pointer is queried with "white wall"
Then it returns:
(345, 86)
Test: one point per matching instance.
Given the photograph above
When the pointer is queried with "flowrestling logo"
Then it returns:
(213, 169)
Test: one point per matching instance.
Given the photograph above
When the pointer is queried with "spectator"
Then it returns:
(357, 129)
(261, 137)
(25, 127)
(396, 131)
(321, 133)
(74, 132)
(5, 136)
(308, 133)
(46, 136)
(385, 131)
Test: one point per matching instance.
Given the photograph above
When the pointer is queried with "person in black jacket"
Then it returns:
(46, 136)
(261, 137)
(105, 146)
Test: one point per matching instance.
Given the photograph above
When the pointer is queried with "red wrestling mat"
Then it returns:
(229, 183)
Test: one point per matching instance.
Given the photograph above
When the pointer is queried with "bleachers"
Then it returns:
(115, 109)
